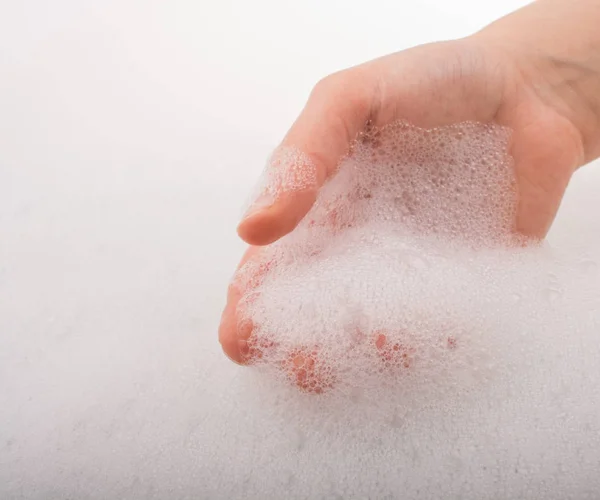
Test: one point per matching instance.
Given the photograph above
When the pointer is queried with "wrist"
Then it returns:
(555, 46)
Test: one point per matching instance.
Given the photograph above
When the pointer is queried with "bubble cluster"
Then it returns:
(458, 368)
(483, 385)
(287, 170)
(387, 277)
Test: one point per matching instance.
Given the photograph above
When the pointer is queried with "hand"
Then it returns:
(432, 85)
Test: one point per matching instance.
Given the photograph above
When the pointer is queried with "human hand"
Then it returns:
(473, 79)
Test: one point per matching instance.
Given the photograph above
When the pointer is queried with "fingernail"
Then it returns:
(261, 203)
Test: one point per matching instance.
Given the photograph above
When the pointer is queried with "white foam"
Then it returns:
(113, 384)
(128, 138)
(394, 276)
(288, 170)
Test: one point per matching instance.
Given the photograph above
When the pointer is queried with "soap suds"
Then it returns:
(113, 384)
(392, 276)
(288, 170)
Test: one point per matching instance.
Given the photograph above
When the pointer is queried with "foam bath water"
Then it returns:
(491, 393)
(402, 264)
(119, 188)
(425, 340)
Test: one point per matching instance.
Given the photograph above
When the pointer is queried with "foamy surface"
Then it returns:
(111, 388)
(395, 276)
(119, 195)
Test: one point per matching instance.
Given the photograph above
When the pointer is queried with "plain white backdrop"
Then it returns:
(131, 133)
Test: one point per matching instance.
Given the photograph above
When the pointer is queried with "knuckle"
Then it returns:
(330, 85)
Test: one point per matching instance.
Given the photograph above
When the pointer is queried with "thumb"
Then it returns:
(338, 109)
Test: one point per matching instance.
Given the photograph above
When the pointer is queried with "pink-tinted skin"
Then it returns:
(513, 73)
(302, 365)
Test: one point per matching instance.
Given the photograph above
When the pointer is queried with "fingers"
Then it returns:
(337, 110)
(270, 223)
(543, 168)
(302, 366)
(233, 333)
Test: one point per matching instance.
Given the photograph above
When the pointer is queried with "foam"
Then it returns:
(287, 170)
(395, 272)
(114, 385)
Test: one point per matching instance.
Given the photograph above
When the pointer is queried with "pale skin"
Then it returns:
(536, 71)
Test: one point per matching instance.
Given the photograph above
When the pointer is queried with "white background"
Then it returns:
(130, 135)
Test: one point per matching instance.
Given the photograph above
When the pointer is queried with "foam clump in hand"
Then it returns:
(389, 281)
(287, 170)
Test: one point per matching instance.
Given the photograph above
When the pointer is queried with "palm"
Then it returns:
(428, 86)
(445, 83)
